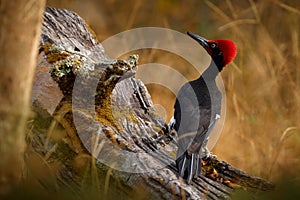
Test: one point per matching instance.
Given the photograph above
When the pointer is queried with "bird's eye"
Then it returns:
(213, 45)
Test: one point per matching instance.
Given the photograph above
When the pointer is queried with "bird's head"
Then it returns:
(221, 51)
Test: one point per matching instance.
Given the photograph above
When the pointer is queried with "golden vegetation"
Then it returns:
(261, 131)
(261, 134)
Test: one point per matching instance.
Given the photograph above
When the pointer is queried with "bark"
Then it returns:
(108, 114)
(19, 38)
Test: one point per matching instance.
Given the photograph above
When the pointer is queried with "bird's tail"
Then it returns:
(189, 166)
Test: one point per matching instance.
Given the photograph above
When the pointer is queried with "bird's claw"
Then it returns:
(208, 154)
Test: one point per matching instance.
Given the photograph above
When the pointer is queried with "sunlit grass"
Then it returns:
(263, 101)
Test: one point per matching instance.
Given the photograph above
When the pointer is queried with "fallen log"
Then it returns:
(108, 119)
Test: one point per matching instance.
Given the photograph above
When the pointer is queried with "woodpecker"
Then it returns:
(197, 108)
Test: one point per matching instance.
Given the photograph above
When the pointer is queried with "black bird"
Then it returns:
(198, 106)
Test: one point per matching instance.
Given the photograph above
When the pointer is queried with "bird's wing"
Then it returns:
(186, 108)
(202, 134)
(187, 117)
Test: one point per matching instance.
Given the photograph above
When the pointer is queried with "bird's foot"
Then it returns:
(189, 166)
(208, 154)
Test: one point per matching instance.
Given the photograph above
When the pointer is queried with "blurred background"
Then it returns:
(261, 134)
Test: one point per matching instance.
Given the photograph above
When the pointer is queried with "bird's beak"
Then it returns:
(201, 40)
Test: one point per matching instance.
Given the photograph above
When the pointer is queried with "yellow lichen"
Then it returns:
(63, 61)
(108, 114)
(124, 113)
(104, 108)
(105, 116)
(53, 55)
(66, 62)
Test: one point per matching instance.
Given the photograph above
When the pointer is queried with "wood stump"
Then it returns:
(106, 113)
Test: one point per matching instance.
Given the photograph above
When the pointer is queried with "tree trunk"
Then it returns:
(110, 123)
(20, 28)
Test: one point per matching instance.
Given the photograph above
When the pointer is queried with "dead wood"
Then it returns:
(105, 111)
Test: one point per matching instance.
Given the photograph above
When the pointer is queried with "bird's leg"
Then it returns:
(206, 152)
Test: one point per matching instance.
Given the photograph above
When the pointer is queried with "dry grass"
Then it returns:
(262, 129)
(261, 133)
